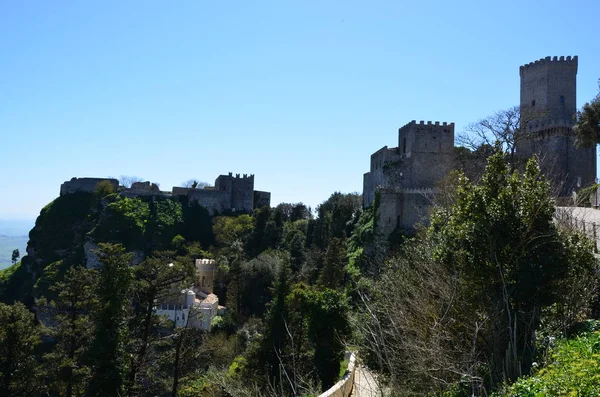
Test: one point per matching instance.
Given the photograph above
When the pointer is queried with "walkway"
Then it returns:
(364, 383)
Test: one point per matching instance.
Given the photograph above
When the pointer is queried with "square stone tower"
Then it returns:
(428, 150)
(548, 106)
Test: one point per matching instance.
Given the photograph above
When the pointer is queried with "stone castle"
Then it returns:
(548, 95)
(403, 178)
(229, 194)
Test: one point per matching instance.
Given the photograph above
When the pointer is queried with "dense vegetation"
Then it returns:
(571, 368)
(466, 302)
(281, 275)
(464, 306)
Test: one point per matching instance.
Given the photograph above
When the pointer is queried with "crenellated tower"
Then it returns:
(428, 148)
(548, 106)
(404, 177)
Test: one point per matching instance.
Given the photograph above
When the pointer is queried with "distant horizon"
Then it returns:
(16, 227)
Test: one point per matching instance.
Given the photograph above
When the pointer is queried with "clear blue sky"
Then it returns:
(299, 93)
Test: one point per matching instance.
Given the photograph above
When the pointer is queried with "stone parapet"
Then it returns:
(549, 61)
(344, 387)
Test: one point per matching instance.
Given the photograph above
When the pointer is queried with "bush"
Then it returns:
(573, 370)
(104, 188)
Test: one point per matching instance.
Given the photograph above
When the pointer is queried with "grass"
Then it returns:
(5, 274)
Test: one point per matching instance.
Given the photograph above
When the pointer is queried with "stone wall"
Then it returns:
(569, 168)
(545, 81)
(262, 199)
(181, 191)
(548, 90)
(242, 193)
(344, 387)
(212, 200)
(405, 176)
(87, 185)
(231, 193)
(384, 171)
(240, 190)
(428, 152)
(402, 208)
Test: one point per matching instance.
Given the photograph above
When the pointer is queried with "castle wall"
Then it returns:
(384, 172)
(428, 152)
(239, 189)
(230, 192)
(85, 185)
(405, 176)
(582, 166)
(212, 200)
(143, 189)
(262, 199)
(368, 195)
(181, 191)
(402, 208)
(242, 193)
(547, 80)
(223, 182)
(548, 91)
(569, 168)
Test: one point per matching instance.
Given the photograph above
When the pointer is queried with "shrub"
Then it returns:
(573, 370)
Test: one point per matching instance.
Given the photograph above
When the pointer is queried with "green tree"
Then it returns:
(300, 211)
(155, 279)
(19, 336)
(257, 279)
(107, 350)
(276, 334)
(327, 329)
(231, 229)
(187, 355)
(15, 256)
(499, 236)
(332, 274)
(197, 224)
(296, 249)
(66, 366)
(164, 222)
(587, 126)
(335, 218)
(104, 188)
(267, 231)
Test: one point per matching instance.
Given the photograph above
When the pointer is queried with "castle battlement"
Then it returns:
(549, 61)
(237, 176)
(423, 123)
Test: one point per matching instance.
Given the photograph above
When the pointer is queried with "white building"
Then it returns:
(200, 305)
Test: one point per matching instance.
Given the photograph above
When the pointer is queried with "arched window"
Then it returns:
(562, 100)
(533, 103)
